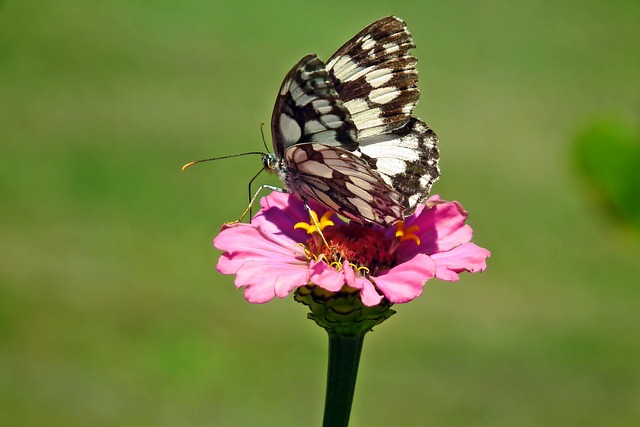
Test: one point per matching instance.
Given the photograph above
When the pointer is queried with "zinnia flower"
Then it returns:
(281, 250)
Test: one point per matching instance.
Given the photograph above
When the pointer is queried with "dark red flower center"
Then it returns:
(362, 246)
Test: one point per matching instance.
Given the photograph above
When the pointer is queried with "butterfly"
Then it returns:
(342, 130)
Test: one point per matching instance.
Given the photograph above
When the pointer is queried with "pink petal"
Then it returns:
(442, 228)
(404, 282)
(368, 293)
(243, 242)
(265, 280)
(325, 276)
(467, 257)
(268, 264)
(281, 211)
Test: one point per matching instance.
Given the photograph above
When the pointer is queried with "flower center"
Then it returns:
(364, 247)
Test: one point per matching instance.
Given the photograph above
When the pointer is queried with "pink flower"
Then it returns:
(281, 250)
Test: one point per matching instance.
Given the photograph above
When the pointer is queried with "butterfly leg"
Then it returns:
(253, 199)
(280, 190)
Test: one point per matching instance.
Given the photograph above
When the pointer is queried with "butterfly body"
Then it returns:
(343, 133)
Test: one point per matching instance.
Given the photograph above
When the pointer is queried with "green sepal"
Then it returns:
(342, 312)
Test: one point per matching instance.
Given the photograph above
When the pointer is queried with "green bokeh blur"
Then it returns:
(112, 314)
(607, 155)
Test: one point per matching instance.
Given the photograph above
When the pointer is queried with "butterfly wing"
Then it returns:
(377, 80)
(313, 136)
(407, 159)
(308, 109)
(376, 77)
(342, 182)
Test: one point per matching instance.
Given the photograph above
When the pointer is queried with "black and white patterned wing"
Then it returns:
(407, 159)
(376, 77)
(342, 182)
(308, 109)
(377, 80)
(313, 136)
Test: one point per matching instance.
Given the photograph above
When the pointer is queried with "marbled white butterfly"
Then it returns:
(343, 134)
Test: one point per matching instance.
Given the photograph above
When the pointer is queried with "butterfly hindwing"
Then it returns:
(342, 182)
(407, 160)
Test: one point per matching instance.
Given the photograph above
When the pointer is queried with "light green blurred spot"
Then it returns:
(607, 154)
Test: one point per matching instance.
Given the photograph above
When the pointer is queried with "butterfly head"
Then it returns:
(270, 162)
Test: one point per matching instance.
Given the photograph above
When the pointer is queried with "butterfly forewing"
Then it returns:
(309, 109)
(376, 77)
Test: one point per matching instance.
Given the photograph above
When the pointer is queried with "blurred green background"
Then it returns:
(112, 314)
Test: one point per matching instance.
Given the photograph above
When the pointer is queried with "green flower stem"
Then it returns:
(344, 358)
(346, 320)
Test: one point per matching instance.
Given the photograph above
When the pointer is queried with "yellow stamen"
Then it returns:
(307, 252)
(360, 268)
(407, 233)
(311, 228)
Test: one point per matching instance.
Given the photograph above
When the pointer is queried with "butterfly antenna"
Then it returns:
(263, 140)
(221, 157)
